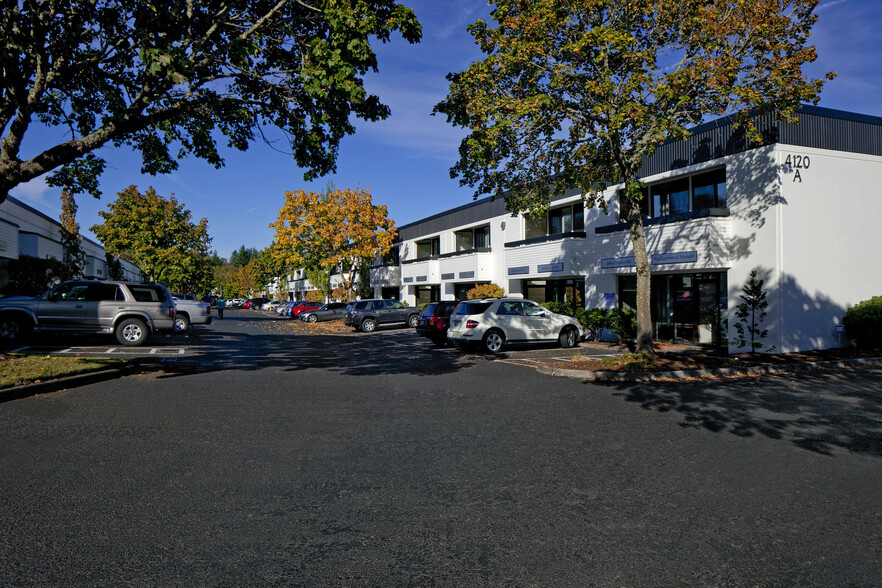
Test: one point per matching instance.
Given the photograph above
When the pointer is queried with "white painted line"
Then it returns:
(153, 351)
(111, 350)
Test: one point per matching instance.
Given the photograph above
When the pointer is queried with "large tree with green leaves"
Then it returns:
(169, 78)
(159, 236)
(574, 94)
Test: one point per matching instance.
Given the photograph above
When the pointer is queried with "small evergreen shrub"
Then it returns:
(750, 314)
(863, 323)
(623, 323)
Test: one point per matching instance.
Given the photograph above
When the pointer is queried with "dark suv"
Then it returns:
(435, 320)
(130, 311)
(366, 315)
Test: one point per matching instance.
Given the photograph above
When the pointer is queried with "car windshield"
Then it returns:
(468, 308)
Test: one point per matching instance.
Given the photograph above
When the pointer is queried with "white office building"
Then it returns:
(803, 208)
(27, 231)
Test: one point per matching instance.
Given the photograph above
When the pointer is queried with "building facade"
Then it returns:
(25, 231)
(802, 208)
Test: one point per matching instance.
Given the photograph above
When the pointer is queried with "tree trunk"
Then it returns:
(641, 259)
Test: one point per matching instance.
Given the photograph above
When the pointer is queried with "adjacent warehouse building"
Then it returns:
(802, 208)
(27, 231)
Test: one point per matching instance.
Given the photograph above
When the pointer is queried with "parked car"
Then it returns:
(131, 312)
(189, 311)
(493, 323)
(294, 310)
(256, 302)
(272, 305)
(366, 315)
(327, 312)
(235, 303)
(435, 320)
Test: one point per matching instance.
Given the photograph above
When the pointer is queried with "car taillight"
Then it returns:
(207, 310)
(470, 324)
(171, 312)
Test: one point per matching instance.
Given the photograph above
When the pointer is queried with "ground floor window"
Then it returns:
(427, 294)
(461, 291)
(686, 308)
(390, 293)
(570, 291)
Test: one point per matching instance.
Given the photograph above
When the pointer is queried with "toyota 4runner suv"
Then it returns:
(129, 311)
(367, 315)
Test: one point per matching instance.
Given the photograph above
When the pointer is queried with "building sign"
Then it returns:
(613, 262)
(681, 257)
(466, 275)
(656, 259)
(408, 280)
(448, 276)
(520, 270)
(550, 267)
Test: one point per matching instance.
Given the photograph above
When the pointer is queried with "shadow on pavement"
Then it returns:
(344, 354)
(818, 411)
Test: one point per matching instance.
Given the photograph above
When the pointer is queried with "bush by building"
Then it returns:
(863, 323)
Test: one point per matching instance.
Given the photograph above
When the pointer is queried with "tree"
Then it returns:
(158, 235)
(114, 267)
(177, 74)
(576, 95)
(320, 279)
(337, 229)
(268, 265)
(751, 313)
(241, 256)
(74, 256)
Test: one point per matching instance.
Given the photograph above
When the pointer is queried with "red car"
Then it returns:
(295, 308)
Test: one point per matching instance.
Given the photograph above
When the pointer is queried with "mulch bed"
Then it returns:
(678, 357)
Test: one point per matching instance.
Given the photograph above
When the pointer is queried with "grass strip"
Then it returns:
(16, 369)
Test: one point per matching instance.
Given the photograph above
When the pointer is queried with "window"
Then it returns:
(685, 194)
(429, 248)
(391, 257)
(469, 239)
(709, 190)
(563, 219)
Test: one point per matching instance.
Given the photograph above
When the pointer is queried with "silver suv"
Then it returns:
(129, 311)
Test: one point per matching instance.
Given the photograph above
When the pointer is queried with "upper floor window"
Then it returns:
(684, 194)
(390, 257)
(428, 248)
(476, 238)
(562, 219)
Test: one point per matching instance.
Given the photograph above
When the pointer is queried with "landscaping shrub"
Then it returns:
(315, 296)
(863, 323)
(594, 321)
(564, 308)
(485, 291)
(623, 323)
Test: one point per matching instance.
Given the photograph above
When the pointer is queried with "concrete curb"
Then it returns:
(82, 379)
(608, 376)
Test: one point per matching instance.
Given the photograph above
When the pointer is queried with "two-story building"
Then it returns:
(802, 208)
(26, 231)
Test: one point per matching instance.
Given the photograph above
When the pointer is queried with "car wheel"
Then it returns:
(312, 318)
(131, 332)
(182, 323)
(13, 330)
(494, 341)
(412, 321)
(368, 325)
(567, 337)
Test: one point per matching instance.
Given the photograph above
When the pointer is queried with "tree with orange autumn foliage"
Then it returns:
(337, 229)
(576, 94)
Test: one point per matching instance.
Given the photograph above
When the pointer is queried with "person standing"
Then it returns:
(220, 305)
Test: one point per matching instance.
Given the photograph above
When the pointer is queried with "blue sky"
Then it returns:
(404, 160)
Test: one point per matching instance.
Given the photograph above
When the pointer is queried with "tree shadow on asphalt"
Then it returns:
(817, 411)
(347, 355)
